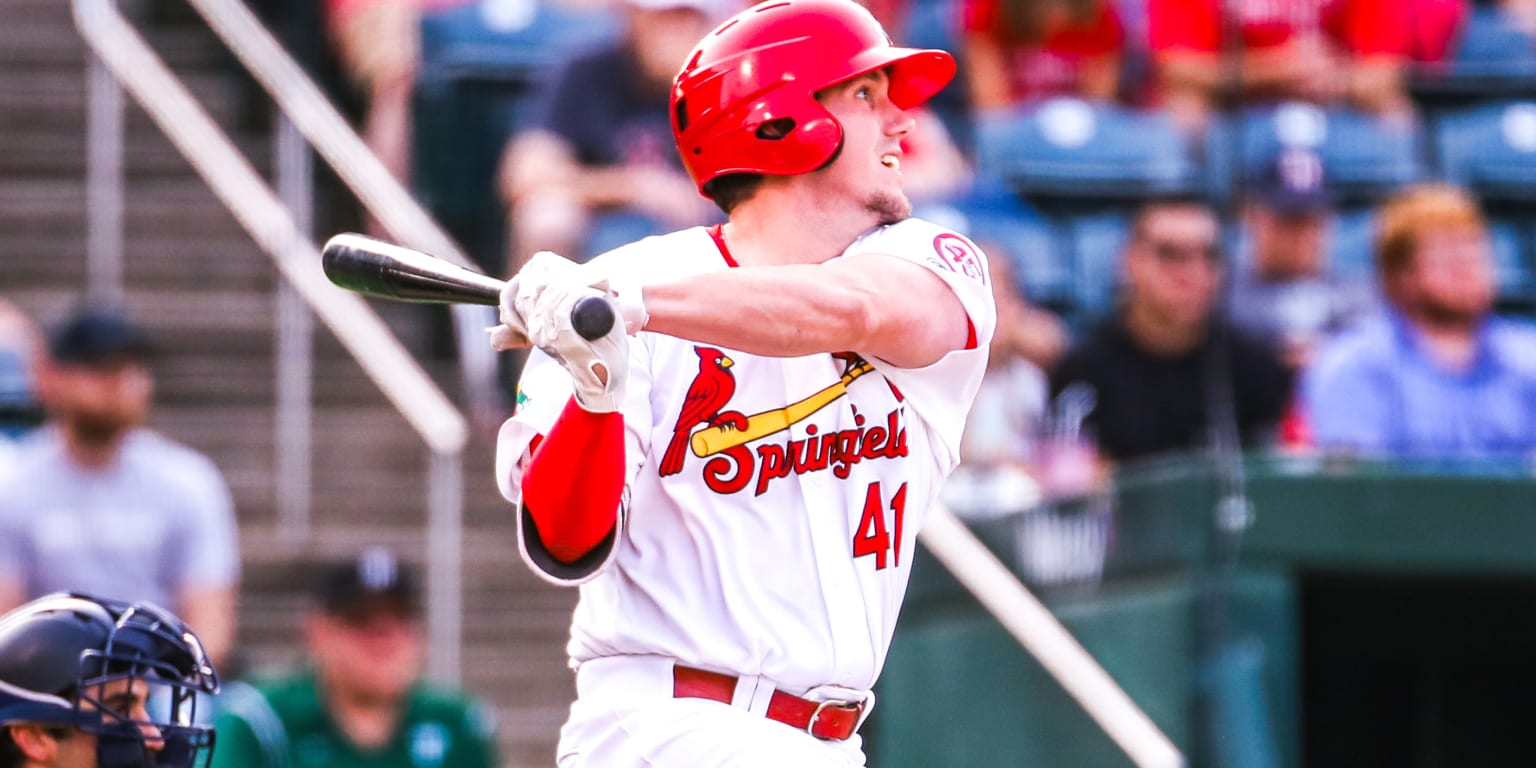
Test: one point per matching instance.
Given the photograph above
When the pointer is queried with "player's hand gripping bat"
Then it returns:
(388, 271)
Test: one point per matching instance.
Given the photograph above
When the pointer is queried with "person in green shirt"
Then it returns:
(360, 701)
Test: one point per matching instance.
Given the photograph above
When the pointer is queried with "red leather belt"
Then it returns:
(830, 720)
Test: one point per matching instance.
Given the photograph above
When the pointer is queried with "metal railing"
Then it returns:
(123, 57)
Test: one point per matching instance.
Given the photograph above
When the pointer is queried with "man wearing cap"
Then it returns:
(598, 167)
(1287, 293)
(97, 502)
(359, 702)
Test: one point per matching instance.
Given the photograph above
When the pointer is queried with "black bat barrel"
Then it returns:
(384, 270)
(387, 271)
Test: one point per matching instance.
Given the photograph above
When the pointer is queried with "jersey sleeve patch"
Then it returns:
(958, 255)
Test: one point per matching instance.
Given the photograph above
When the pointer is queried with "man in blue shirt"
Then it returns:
(1436, 374)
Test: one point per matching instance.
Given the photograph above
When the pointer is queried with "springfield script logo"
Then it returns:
(726, 435)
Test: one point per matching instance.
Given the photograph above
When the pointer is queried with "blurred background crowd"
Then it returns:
(1315, 206)
(1287, 227)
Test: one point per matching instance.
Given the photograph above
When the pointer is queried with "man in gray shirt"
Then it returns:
(96, 502)
(1287, 292)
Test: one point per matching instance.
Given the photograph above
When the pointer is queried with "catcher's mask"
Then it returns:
(127, 674)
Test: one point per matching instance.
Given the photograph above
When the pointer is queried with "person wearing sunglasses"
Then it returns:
(1165, 366)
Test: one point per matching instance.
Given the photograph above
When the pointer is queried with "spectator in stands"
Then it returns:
(1012, 395)
(1018, 50)
(1521, 13)
(360, 700)
(1000, 430)
(379, 49)
(1436, 374)
(1208, 53)
(1287, 294)
(598, 168)
(1165, 369)
(98, 502)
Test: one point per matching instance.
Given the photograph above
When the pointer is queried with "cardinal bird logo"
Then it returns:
(711, 389)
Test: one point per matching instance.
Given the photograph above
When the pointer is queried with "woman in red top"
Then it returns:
(1322, 51)
(1018, 50)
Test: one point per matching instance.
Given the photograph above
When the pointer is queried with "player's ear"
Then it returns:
(37, 743)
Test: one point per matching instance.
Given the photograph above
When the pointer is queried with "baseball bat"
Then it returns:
(387, 271)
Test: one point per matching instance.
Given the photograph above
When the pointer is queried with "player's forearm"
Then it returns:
(875, 305)
(778, 311)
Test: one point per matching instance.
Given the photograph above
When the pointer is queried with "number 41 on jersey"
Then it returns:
(873, 536)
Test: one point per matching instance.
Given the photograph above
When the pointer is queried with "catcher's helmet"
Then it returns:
(763, 67)
(60, 653)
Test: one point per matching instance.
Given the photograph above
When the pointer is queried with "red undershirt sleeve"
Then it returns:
(574, 481)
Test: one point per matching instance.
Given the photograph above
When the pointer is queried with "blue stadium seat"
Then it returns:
(1492, 57)
(1097, 241)
(1351, 246)
(931, 24)
(502, 40)
(480, 66)
(1363, 157)
(1077, 150)
(1490, 149)
(1490, 40)
(996, 218)
(1512, 265)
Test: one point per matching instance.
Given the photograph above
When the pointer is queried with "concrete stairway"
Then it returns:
(206, 293)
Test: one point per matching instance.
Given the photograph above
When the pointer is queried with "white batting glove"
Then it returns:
(600, 368)
(511, 334)
(546, 267)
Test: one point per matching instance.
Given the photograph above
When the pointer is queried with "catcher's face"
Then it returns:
(868, 169)
(120, 700)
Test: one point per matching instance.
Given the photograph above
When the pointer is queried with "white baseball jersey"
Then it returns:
(772, 504)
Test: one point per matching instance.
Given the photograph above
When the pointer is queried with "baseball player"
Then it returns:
(80, 677)
(737, 483)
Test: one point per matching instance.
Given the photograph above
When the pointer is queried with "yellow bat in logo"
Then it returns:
(712, 440)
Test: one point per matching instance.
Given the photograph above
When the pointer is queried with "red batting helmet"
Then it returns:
(745, 101)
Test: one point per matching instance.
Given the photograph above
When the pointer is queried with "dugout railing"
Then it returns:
(277, 221)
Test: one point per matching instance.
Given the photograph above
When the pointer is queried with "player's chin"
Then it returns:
(889, 206)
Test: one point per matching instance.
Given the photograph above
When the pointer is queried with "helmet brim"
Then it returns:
(917, 74)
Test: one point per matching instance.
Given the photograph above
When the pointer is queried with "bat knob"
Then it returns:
(593, 318)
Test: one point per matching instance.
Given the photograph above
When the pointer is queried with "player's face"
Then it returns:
(868, 169)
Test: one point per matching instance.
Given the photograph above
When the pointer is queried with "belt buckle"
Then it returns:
(810, 726)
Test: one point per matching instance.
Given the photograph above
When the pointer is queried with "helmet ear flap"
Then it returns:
(797, 136)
